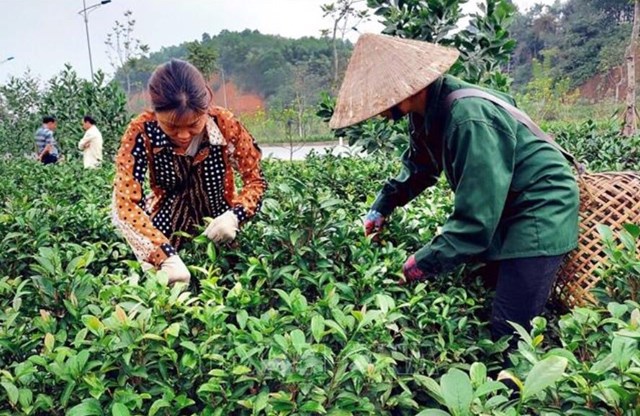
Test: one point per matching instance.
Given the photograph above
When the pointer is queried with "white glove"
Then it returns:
(146, 266)
(223, 228)
(175, 269)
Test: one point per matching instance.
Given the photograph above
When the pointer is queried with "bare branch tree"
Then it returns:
(346, 16)
(124, 49)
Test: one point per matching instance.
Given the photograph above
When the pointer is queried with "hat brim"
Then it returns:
(384, 71)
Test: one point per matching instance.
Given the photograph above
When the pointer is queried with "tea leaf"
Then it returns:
(433, 412)
(12, 391)
(298, 340)
(88, 407)
(385, 303)
(160, 404)
(616, 309)
(478, 373)
(25, 398)
(633, 230)
(489, 387)
(605, 232)
(337, 329)
(522, 332)
(434, 389)
(317, 327)
(543, 374)
(240, 370)
(93, 324)
(49, 342)
(604, 365)
(121, 314)
(173, 330)
(457, 392)
(261, 402)
(241, 317)
(313, 407)
(628, 241)
(120, 409)
(623, 350)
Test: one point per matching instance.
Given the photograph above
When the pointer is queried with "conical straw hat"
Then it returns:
(385, 70)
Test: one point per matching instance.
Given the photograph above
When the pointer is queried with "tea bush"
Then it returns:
(301, 315)
(599, 145)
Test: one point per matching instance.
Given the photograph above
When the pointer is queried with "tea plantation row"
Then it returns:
(301, 315)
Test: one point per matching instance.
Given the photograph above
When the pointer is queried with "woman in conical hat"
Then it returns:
(516, 199)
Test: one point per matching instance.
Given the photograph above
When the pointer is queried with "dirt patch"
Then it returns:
(237, 101)
(610, 85)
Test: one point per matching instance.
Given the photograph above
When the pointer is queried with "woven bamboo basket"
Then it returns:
(611, 199)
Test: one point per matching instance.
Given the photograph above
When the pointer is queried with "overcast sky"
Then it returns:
(42, 35)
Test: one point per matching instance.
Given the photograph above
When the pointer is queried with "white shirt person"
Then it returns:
(91, 144)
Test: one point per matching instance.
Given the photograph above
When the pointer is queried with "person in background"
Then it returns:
(516, 198)
(91, 143)
(46, 147)
(191, 148)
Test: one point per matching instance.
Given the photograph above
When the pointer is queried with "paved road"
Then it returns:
(300, 151)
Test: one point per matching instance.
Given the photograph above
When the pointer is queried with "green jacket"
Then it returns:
(515, 194)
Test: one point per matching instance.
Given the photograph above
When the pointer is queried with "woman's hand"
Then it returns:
(223, 228)
(175, 269)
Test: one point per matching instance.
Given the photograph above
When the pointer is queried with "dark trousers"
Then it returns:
(49, 159)
(523, 287)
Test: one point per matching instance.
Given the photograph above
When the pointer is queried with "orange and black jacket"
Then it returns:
(184, 188)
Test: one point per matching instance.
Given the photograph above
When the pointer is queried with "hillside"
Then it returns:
(230, 95)
(582, 40)
(260, 70)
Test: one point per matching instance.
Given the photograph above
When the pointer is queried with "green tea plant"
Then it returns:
(622, 271)
(599, 145)
(594, 372)
(301, 315)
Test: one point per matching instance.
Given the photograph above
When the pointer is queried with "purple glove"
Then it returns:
(411, 271)
(373, 223)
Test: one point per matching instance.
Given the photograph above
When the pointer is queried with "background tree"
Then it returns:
(68, 97)
(203, 56)
(630, 116)
(19, 113)
(545, 95)
(125, 50)
(484, 45)
(346, 15)
(590, 37)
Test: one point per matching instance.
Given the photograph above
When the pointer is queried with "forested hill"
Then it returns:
(570, 43)
(577, 39)
(277, 69)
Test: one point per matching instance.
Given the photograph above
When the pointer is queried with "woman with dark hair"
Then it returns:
(190, 148)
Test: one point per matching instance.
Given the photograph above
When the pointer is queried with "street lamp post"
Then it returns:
(84, 11)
